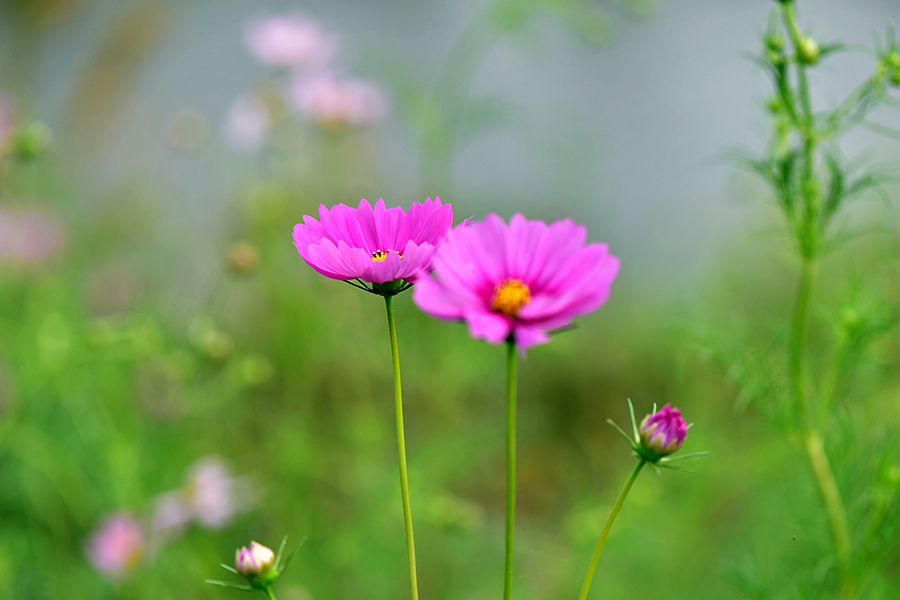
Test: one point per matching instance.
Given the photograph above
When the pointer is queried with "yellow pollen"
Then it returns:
(381, 255)
(509, 296)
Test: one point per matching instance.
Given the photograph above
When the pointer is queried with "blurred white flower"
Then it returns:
(211, 493)
(170, 513)
(329, 100)
(294, 41)
(247, 123)
(116, 546)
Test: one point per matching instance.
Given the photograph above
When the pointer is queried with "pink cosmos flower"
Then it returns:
(116, 546)
(663, 432)
(521, 280)
(377, 246)
(294, 41)
(330, 100)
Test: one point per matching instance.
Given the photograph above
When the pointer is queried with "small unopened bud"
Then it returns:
(808, 50)
(662, 433)
(243, 257)
(775, 57)
(893, 59)
(774, 42)
(256, 563)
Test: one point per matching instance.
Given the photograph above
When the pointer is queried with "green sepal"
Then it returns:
(623, 434)
(228, 584)
(683, 457)
(287, 560)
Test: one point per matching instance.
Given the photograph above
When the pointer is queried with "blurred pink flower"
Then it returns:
(7, 119)
(663, 432)
(521, 280)
(332, 101)
(376, 246)
(28, 236)
(247, 123)
(294, 41)
(116, 546)
(171, 513)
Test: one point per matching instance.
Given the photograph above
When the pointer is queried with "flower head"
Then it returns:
(333, 101)
(116, 546)
(293, 41)
(522, 280)
(662, 432)
(378, 246)
(255, 562)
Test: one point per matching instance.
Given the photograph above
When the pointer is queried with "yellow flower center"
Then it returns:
(381, 255)
(509, 296)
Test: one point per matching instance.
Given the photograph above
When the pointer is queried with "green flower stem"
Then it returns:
(401, 450)
(831, 496)
(269, 593)
(609, 523)
(510, 465)
(813, 443)
(798, 338)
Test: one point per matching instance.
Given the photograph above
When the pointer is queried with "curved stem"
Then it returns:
(609, 523)
(831, 496)
(269, 593)
(510, 465)
(401, 450)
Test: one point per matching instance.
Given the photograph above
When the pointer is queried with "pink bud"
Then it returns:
(255, 562)
(663, 432)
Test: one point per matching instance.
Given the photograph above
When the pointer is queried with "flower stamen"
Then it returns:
(381, 255)
(509, 296)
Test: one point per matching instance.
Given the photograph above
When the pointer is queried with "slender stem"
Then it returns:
(813, 444)
(269, 593)
(609, 523)
(798, 338)
(510, 465)
(401, 450)
(831, 496)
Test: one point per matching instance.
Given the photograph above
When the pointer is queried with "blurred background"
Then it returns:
(175, 381)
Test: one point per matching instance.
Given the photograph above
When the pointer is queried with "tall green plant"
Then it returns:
(811, 185)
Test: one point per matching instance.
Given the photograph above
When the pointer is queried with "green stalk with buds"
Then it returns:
(811, 185)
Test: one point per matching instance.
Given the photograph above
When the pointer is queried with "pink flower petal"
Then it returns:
(559, 278)
(486, 325)
(343, 243)
(431, 296)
